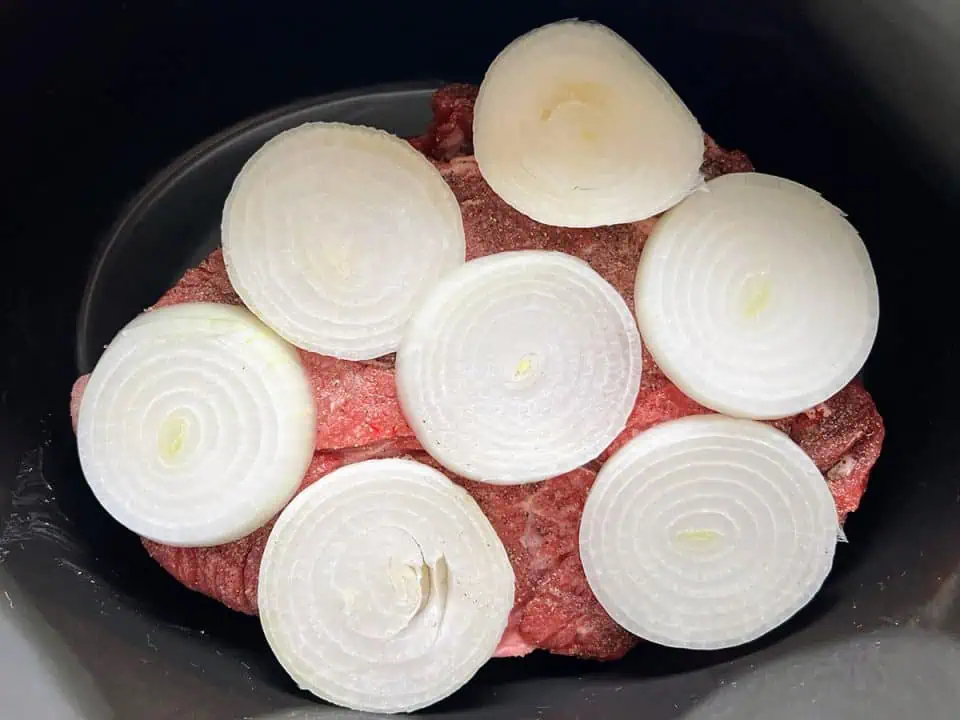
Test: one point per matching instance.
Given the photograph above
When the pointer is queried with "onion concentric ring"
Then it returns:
(332, 233)
(197, 425)
(756, 297)
(519, 367)
(384, 587)
(707, 532)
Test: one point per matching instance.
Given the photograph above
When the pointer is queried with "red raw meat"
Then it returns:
(717, 161)
(360, 418)
(451, 131)
(229, 572)
(492, 226)
(843, 436)
(356, 403)
(76, 395)
(555, 610)
(208, 282)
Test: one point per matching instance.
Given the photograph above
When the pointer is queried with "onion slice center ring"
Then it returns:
(707, 532)
(197, 425)
(519, 366)
(756, 297)
(384, 588)
(333, 232)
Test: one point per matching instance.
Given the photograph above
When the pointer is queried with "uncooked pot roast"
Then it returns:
(359, 418)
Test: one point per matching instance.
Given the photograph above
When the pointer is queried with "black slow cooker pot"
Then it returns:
(860, 100)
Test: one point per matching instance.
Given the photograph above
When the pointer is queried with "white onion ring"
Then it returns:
(707, 532)
(572, 127)
(384, 587)
(756, 297)
(519, 366)
(197, 425)
(332, 233)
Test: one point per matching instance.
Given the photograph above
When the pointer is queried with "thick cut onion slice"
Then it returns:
(197, 425)
(757, 297)
(572, 127)
(384, 587)
(519, 367)
(332, 233)
(707, 532)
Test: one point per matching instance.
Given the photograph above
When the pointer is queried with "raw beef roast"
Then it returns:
(359, 418)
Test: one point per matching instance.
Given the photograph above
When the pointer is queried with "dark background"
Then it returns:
(860, 100)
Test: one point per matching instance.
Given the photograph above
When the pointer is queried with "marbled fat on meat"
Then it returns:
(360, 418)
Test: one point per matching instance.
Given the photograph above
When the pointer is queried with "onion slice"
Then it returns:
(707, 532)
(572, 127)
(332, 234)
(197, 425)
(756, 297)
(519, 366)
(384, 587)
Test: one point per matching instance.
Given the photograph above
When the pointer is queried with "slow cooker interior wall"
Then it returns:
(109, 96)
